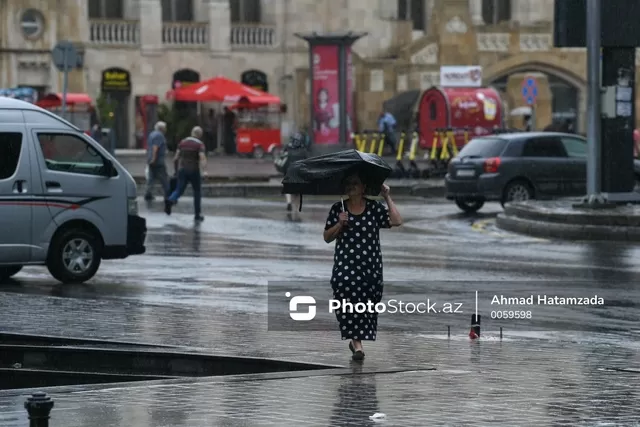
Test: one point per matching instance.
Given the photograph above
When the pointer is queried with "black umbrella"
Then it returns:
(324, 175)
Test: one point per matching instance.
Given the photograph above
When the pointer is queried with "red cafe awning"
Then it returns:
(55, 99)
(221, 89)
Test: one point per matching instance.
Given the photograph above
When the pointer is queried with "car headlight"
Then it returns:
(132, 206)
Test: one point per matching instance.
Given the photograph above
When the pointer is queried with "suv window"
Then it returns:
(543, 147)
(10, 148)
(483, 148)
(575, 147)
(68, 153)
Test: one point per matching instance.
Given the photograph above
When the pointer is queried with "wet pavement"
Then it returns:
(204, 288)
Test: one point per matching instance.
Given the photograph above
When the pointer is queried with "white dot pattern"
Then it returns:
(357, 269)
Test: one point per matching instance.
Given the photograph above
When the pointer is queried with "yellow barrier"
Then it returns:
(450, 139)
(374, 141)
(414, 146)
(375, 145)
(400, 147)
(359, 141)
(437, 135)
(446, 141)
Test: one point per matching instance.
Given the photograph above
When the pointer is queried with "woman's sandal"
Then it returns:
(357, 355)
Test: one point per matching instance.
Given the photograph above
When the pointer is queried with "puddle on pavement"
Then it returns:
(34, 362)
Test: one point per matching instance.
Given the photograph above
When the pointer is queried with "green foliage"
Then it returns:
(106, 110)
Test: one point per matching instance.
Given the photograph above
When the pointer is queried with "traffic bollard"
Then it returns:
(39, 407)
(448, 331)
(475, 327)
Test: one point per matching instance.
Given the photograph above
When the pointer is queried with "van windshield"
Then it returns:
(483, 148)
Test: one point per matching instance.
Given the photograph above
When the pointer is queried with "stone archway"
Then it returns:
(566, 73)
(570, 69)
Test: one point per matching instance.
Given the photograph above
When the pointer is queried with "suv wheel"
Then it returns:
(517, 191)
(74, 256)
(8, 271)
(470, 206)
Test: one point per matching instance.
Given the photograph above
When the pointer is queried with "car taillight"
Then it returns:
(491, 165)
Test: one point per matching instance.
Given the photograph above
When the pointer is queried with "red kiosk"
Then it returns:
(258, 114)
(479, 110)
(461, 105)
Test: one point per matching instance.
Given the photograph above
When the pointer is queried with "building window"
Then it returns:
(412, 10)
(177, 10)
(106, 9)
(246, 11)
(496, 11)
(32, 23)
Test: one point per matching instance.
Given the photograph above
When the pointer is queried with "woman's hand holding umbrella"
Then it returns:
(343, 219)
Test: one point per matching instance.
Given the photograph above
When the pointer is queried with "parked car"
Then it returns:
(519, 166)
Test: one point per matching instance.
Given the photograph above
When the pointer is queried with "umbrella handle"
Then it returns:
(342, 200)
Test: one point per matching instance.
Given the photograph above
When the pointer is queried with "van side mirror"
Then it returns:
(108, 168)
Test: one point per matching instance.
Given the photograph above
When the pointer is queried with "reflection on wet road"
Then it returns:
(243, 244)
(205, 286)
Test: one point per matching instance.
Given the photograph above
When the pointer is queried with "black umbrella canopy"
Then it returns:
(324, 175)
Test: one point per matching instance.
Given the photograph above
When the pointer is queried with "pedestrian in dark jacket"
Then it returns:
(296, 149)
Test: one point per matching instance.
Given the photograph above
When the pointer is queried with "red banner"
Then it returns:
(324, 90)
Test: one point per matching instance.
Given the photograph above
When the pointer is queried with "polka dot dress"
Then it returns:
(357, 268)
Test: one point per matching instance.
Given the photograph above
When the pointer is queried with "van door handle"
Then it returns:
(52, 184)
(19, 186)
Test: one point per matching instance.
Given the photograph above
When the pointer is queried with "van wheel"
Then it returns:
(74, 256)
(8, 271)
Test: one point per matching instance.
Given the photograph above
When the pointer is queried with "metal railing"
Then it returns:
(114, 32)
(253, 36)
(185, 34)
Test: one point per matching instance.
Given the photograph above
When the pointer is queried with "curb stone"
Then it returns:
(597, 218)
(555, 230)
(254, 190)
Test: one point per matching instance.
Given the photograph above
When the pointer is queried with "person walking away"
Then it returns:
(357, 270)
(191, 164)
(96, 133)
(386, 126)
(156, 167)
(296, 149)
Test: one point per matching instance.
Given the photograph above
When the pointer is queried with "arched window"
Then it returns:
(106, 9)
(246, 11)
(414, 11)
(496, 11)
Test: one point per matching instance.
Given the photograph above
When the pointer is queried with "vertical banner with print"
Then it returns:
(350, 95)
(324, 90)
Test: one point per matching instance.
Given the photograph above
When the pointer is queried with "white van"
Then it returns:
(65, 202)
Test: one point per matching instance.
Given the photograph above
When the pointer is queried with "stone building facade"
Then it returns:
(407, 42)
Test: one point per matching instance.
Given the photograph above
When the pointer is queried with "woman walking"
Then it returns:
(357, 270)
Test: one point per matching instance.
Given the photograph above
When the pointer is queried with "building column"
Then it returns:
(220, 31)
(150, 27)
(475, 9)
